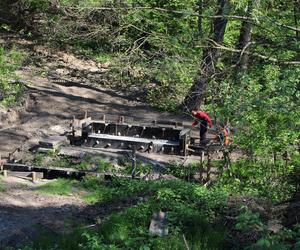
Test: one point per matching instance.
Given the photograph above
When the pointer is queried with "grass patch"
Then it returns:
(97, 190)
(90, 189)
(58, 187)
(2, 188)
(10, 60)
(89, 162)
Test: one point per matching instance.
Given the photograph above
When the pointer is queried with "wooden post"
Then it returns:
(226, 158)
(33, 175)
(201, 167)
(5, 173)
(208, 167)
(133, 159)
(1, 164)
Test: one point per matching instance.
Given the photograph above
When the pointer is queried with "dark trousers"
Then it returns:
(203, 129)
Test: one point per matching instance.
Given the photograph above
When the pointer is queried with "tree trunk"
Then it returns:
(245, 39)
(200, 12)
(296, 18)
(195, 96)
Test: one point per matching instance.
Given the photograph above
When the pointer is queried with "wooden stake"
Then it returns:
(34, 179)
(185, 242)
(201, 167)
(133, 160)
(208, 167)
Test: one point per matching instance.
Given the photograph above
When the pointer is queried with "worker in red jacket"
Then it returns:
(204, 120)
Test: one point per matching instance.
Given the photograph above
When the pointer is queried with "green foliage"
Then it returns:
(171, 78)
(286, 238)
(183, 172)
(2, 188)
(261, 178)
(97, 191)
(265, 121)
(248, 220)
(40, 5)
(88, 162)
(39, 159)
(9, 61)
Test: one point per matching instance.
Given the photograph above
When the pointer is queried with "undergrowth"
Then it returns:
(88, 162)
(10, 89)
(262, 179)
(193, 211)
(2, 188)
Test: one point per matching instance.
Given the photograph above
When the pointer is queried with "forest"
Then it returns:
(237, 60)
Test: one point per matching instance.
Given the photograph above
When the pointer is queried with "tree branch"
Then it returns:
(272, 59)
(187, 13)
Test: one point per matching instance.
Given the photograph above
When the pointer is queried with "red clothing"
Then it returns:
(202, 116)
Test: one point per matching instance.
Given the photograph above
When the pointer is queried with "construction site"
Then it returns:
(149, 125)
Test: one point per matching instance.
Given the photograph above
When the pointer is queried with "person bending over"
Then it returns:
(204, 119)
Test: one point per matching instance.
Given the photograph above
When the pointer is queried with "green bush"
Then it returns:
(261, 178)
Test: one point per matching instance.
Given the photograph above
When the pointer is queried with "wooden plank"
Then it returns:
(53, 173)
(36, 175)
(49, 173)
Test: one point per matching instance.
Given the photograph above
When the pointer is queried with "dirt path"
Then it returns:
(25, 211)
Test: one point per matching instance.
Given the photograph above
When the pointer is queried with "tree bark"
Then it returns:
(245, 39)
(200, 12)
(195, 96)
(296, 18)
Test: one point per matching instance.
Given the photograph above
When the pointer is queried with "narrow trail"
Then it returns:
(25, 211)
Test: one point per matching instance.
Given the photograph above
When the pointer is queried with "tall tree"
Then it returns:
(296, 18)
(200, 11)
(245, 38)
(195, 96)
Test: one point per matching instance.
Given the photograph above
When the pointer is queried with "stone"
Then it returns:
(274, 226)
(53, 141)
(159, 224)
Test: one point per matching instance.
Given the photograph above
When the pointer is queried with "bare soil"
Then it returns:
(50, 107)
(26, 211)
